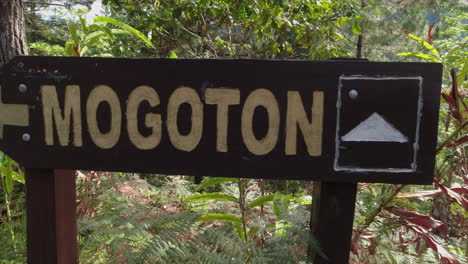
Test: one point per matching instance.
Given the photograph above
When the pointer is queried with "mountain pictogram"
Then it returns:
(375, 129)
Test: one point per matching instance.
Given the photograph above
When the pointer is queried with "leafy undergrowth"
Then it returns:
(123, 219)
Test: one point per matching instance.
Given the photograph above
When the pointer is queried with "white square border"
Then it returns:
(413, 168)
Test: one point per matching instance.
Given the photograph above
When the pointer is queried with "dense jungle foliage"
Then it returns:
(139, 218)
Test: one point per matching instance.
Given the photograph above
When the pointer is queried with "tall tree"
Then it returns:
(299, 29)
(12, 36)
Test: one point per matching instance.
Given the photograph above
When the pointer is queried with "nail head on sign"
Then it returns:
(26, 137)
(353, 94)
(22, 88)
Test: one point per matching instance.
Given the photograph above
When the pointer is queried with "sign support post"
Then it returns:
(332, 220)
(51, 216)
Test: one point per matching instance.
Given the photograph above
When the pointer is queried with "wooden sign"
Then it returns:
(341, 121)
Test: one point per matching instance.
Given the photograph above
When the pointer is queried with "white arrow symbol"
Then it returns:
(375, 128)
(12, 114)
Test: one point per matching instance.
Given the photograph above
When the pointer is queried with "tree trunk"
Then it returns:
(12, 33)
(359, 47)
(360, 37)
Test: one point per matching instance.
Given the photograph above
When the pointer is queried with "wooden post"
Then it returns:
(51, 216)
(332, 220)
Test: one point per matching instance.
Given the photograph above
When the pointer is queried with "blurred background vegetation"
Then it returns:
(139, 218)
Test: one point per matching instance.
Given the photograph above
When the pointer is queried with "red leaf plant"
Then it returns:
(423, 225)
(429, 33)
(418, 219)
(454, 196)
(420, 194)
(458, 141)
(445, 256)
(372, 243)
(453, 100)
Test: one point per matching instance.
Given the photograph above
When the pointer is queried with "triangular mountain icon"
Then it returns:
(375, 128)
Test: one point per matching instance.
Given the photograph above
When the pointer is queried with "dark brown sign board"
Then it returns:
(337, 121)
(334, 122)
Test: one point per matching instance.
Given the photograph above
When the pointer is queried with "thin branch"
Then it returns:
(370, 219)
(452, 136)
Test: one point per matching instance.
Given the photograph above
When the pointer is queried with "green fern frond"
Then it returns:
(220, 217)
(261, 200)
(212, 181)
(211, 196)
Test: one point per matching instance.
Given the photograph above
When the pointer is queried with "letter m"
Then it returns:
(54, 115)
